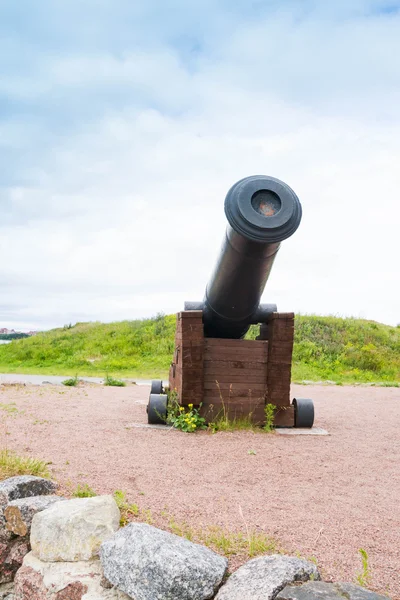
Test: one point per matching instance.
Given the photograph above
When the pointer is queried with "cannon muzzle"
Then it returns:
(261, 212)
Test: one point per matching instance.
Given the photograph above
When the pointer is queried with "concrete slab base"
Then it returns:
(301, 431)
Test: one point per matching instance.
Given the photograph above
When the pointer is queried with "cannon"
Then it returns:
(214, 367)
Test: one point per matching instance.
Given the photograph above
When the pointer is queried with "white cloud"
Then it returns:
(122, 216)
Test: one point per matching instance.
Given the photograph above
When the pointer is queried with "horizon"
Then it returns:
(70, 325)
(123, 125)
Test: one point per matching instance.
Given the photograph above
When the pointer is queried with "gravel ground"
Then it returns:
(323, 497)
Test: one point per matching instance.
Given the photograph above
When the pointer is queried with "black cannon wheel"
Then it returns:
(303, 412)
(156, 386)
(157, 409)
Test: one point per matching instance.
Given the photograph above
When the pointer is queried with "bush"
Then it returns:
(108, 380)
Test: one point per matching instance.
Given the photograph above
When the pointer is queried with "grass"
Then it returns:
(247, 543)
(364, 577)
(111, 381)
(11, 464)
(72, 382)
(326, 348)
(126, 508)
(83, 491)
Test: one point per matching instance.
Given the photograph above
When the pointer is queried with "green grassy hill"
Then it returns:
(326, 348)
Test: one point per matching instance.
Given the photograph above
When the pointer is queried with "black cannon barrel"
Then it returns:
(261, 212)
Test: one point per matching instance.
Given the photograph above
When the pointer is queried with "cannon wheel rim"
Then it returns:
(157, 409)
(156, 386)
(303, 412)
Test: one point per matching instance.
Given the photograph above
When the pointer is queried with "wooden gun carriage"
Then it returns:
(214, 367)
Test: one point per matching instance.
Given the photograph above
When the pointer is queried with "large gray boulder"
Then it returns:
(262, 578)
(319, 590)
(148, 564)
(73, 530)
(24, 486)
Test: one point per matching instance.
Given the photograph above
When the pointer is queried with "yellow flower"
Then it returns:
(181, 408)
(190, 405)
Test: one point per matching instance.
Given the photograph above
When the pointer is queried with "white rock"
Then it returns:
(50, 580)
(74, 530)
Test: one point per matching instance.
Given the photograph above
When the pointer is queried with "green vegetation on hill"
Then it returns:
(326, 348)
(13, 336)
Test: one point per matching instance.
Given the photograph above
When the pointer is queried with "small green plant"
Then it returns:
(269, 412)
(84, 491)
(126, 508)
(181, 529)
(364, 578)
(108, 380)
(72, 382)
(252, 452)
(187, 420)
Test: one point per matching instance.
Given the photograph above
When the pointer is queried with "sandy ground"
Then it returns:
(323, 497)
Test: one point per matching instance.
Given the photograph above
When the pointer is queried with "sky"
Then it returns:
(124, 123)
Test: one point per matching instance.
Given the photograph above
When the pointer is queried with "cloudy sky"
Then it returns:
(123, 124)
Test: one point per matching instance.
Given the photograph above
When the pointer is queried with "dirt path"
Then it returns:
(325, 497)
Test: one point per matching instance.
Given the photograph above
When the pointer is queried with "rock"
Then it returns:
(5, 535)
(319, 590)
(73, 530)
(19, 513)
(147, 563)
(38, 580)
(24, 486)
(262, 578)
(11, 558)
(7, 591)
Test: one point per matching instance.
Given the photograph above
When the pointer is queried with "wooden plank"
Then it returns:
(246, 379)
(253, 387)
(226, 343)
(186, 342)
(190, 314)
(284, 347)
(284, 417)
(280, 372)
(256, 396)
(279, 315)
(192, 331)
(216, 366)
(247, 354)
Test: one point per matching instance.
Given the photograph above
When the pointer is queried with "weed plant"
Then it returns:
(111, 381)
(72, 382)
(364, 577)
(83, 491)
(186, 419)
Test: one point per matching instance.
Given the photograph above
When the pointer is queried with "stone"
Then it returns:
(319, 590)
(11, 558)
(73, 530)
(147, 564)
(19, 513)
(38, 580)
(24, 486)
(262, 578)
(7, 591)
